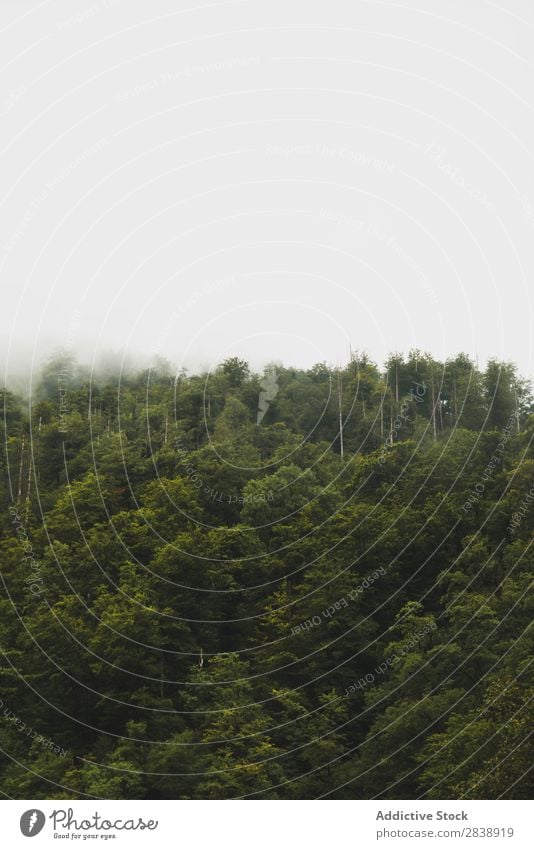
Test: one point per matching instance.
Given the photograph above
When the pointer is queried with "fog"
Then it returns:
(230, 179)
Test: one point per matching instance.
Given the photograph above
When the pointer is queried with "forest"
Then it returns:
(294, 584)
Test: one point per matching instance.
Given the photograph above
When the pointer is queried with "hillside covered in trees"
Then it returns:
(300, 584)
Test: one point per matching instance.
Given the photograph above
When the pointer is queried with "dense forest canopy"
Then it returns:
(294, 584)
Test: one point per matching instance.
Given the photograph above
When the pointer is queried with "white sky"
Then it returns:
(271, 179)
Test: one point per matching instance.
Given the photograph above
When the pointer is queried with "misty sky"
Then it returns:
(276, 180)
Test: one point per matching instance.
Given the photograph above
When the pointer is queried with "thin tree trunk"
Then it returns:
(340, 408)
(29, 489)
(19, 494)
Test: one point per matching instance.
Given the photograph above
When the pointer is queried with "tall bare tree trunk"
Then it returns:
(433, 409)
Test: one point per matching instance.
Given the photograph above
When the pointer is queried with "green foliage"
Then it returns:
(200, 602)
